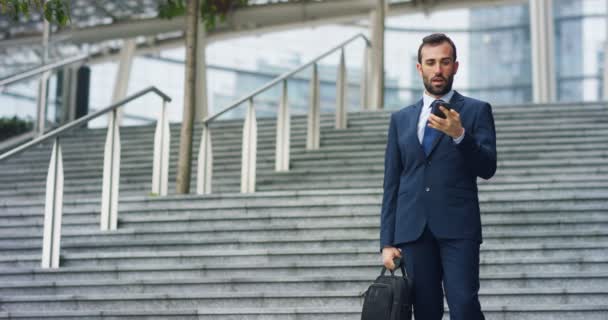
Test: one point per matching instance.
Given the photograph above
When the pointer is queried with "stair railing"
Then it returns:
(41, 69)
(44, 73)
(111, 171)
(249, 146)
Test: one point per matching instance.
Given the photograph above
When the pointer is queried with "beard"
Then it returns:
(438, 90)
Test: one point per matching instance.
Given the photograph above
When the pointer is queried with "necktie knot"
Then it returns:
(431, 134)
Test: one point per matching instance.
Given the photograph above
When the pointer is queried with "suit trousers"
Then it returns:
(455, 262)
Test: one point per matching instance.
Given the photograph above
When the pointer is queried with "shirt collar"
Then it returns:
(427, 99)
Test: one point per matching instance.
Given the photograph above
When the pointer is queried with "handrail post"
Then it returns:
(365, 75)
(341, 86)
(314, 119)
(250, 145)
(41, 103)
(162, 143)
(283, 132)
(43, 83)
(53, 210)
(111, 175)
(205, 162)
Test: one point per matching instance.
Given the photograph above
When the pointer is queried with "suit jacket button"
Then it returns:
(428, 189)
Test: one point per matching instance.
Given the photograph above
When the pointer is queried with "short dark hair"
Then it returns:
(436, 39)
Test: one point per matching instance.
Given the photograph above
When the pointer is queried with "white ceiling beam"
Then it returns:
(256, 20)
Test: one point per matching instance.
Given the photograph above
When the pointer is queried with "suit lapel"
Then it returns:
(456, 104)
(413, 134)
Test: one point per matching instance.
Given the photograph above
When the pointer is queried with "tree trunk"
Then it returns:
(185, 145)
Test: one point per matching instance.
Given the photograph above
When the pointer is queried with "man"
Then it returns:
(430, 208)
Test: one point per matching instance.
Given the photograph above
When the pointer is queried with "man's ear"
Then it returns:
(456, 64)
(419, 68)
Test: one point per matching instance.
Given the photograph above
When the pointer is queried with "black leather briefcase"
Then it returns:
(389, 297)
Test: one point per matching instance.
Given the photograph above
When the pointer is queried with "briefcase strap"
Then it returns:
(398, 264)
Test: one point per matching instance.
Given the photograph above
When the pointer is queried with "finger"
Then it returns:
(454, 115)
(435, 121)
(445, 111)
(388, 262)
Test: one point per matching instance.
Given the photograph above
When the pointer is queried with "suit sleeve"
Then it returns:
(479, 146)
(392, 173)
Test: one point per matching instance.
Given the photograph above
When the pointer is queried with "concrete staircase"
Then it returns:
(305, 245)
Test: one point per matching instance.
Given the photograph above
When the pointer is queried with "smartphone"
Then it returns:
(438, 111)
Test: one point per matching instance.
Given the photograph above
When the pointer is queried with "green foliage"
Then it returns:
(10, 127)
(54, 11)
(211, 10)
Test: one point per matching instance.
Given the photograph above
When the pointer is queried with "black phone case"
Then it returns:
(438, 112)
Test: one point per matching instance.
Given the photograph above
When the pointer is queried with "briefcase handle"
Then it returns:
(398, 264)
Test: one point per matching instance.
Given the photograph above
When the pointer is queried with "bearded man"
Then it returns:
(430, 209)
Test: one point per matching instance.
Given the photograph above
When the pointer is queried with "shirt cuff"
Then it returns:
(459, 139)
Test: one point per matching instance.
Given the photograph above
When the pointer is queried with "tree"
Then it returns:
(209, 11)
(54, 11)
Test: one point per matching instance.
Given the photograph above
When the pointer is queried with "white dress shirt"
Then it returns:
(426, 112)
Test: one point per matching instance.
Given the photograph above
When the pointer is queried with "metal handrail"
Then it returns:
(285, 76)
(77, 123)
(42, 69)
(282, 152)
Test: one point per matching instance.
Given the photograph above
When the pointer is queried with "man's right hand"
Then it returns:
(388, 255)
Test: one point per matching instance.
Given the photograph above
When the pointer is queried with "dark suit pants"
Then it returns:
(429, 261)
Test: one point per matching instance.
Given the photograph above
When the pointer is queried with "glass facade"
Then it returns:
(500, 55)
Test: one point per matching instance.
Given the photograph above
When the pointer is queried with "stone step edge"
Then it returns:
(282, 311)
(283, 265)
(558, 217)
(551, 195)
(288, 279)
(289, 294)
(265, 238)
(289, 252)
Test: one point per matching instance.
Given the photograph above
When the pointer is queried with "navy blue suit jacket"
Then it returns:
(439, 189)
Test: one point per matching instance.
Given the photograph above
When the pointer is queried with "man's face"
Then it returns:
(437, 68)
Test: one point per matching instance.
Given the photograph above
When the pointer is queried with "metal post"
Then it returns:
(123, 74)
(341, 86)
(162, 143)
(543, 51)
(111, 176)
(377, 76)
(283, 133)
(68, 94)
(53, 209)
(314, 120)
(365, 75)
(250, 145)
(205, 162)
(41, 100)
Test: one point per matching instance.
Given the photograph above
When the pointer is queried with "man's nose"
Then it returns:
(437, 69)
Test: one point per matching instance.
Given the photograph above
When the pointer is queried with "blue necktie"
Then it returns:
(430, 133)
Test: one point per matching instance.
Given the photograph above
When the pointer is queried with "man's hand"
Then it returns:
(451, 125)
(388, 254)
